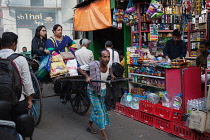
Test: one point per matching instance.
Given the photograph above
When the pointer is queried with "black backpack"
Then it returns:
(10, 80)
(117, 69)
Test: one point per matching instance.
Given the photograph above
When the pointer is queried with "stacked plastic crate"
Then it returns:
(163, 118)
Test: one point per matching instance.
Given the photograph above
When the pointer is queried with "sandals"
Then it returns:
(91, 130)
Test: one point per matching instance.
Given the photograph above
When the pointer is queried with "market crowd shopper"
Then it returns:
(38, 44)
(9, 46)
(84, 55)
(201, 60)
(114, 91)
(56, 44)
(175, 48)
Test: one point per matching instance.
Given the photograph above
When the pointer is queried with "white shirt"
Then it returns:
(103, 75)
(116, 56)
(23, 68)
(84, 56)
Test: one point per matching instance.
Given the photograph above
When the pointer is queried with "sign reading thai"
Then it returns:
(32, 19)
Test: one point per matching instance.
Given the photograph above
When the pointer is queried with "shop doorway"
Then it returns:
(112, 34)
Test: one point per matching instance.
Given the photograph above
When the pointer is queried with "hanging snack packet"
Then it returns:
(155, 10)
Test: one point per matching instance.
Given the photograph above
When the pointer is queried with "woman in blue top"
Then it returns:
(58, 42)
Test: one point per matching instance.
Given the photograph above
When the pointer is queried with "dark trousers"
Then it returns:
(19, 109)
(113, 91)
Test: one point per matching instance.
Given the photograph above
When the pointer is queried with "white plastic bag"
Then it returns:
(198, 120)
(72, 67)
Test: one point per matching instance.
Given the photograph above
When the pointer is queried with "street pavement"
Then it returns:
(59, 122)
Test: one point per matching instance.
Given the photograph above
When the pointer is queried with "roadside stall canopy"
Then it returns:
(92, 15)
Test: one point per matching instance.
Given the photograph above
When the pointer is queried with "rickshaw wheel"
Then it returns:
(79, 99)
(36, 110)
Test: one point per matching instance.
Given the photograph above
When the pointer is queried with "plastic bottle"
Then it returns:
(153, 98)
(176, 102)
(208, 61)
(166, 101)
(135, 102)
(128, 100)
(122, 100)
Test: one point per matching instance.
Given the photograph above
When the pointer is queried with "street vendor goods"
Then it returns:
(57, 66)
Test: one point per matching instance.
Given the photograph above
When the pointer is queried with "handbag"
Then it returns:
(44, 67)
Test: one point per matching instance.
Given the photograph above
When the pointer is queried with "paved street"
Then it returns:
(59, 122)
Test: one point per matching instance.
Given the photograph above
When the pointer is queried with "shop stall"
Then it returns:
(168, 95)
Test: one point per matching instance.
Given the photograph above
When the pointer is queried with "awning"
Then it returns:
(95, 16)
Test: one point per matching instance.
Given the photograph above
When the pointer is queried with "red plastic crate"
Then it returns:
(163, 124)
(179, 129)
(146, 118)
(120, 108)
(132, 113)
(197, 136)
(146, 106)
(168, 113)
(202, 136)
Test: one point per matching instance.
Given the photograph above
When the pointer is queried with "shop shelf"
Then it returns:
(135, 32)
(132, 113)
(198, 30)
(179, 129)
(146, 106)
(120, 108)
(158, 77)
(163, 124)
(147, 85)
(164, 31)
(167, 113)
(146, 118)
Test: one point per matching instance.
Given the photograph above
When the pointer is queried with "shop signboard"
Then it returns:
(32, 19)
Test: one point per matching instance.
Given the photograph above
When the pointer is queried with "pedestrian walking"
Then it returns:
(9, 46)
(99, 70)
(114, 90)
(84, 55)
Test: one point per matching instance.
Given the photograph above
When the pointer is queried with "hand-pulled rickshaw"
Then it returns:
(75, 92)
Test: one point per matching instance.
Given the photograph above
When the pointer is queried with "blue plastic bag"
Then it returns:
(44, 67)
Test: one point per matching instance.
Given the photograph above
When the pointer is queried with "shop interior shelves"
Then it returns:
(134, 32)
(158, 77)
(145, 31)
(198, 30)
(164, 31)
(147, 85)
